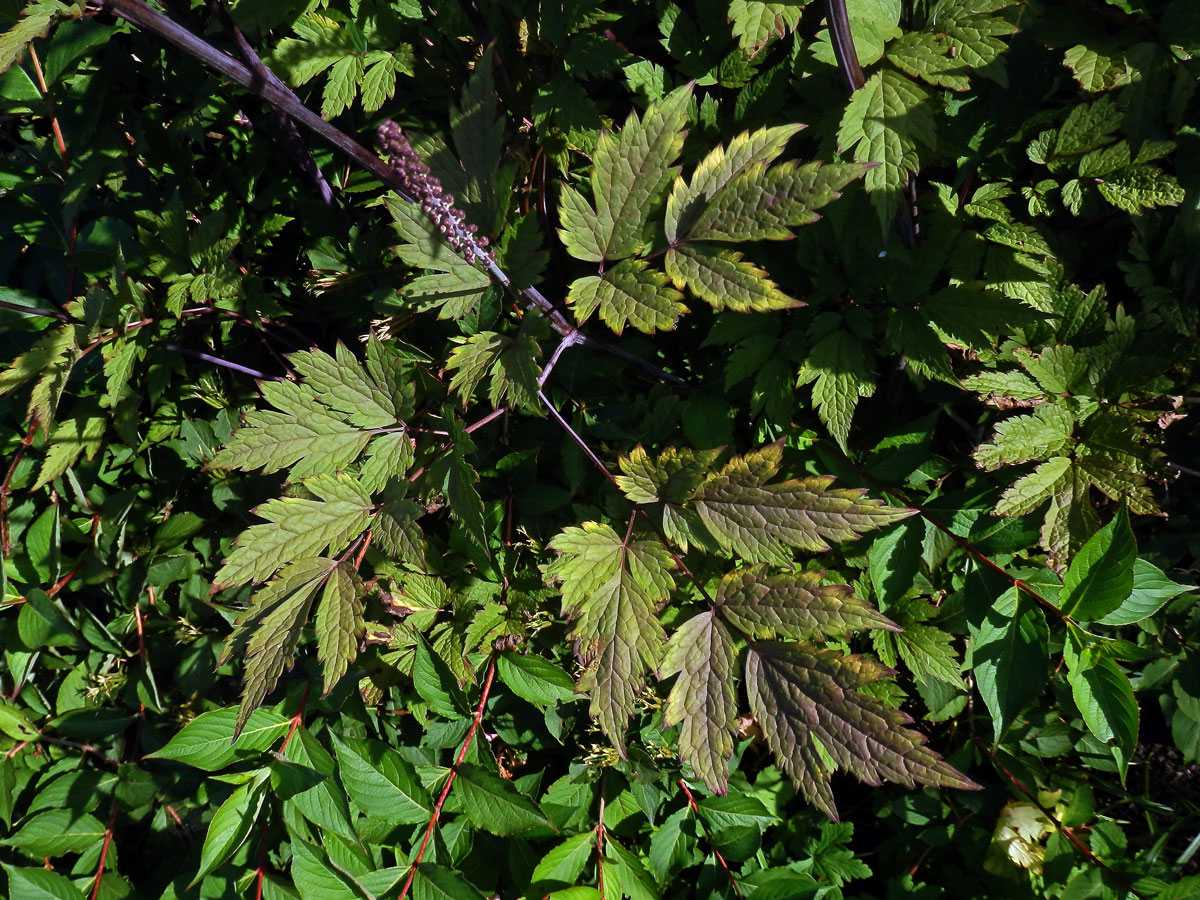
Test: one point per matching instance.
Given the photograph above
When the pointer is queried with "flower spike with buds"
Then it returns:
(427, 190)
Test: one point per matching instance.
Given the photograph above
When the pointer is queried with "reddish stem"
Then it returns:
(73, 227)
(1062, 829)
(108, 833)
(717, 853)
(261, 872)
(462, 753)
(6, 487)
(298, 718)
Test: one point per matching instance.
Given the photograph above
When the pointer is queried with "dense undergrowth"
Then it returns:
(613, 450)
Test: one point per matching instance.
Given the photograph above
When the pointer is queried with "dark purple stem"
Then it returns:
(224, 363)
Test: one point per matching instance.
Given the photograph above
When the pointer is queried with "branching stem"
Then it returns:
(462, 754)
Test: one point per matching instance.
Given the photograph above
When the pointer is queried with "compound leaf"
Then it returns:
(299, 528)
(883, 123)
(722, 279)
(269, 631)
(629, 293)
(723, 164)
(765, 204)
(611, 587)
(304, 435)
(759, 522)
(806, 701)
(795, 605)
(339, 622)
(631, 168)
(702, 653)
(341, 383)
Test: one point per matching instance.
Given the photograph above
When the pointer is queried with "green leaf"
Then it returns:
(35, 22)
(389, 456)
(379, 81)
(735, 811)
(974, 32)
(380, 782)
(1151, 591)
(672, 477)
(796, 606)
(339, 622)
(341, 383)
(458, 477)
(535, 679)
(344, 78)
(579, 228)
(49, 361)
(495, 805)
(883, 122)
(931, 57)
(323, 804)
(838, 369)
(1105, 699)
(315, 877)
(458, 285)
(39, 884)
(57, 832)
(927, 650)
(1096, 71)
(755, 22)
(304, 435)
(207, 742)
(512, 363)
(806, 701)
(723, 280)
(1009, 653)
(268, 633)
(894, 561)
(748, 150)
(976, 318)
(434, 681)
(75, 437)
(630, 170)
(628, 878)
(611, 587)
(1138, 188)
(15, 723)
(230, 826)
(1088, 126)
(1030, 491)
(629, 293)
(765, 204)
(702, 653)
(1037, 435)
(478, 130)
(759, 522)
(432, 882)
(299, 528)
(564, 864)
(1100, 577)
(395, 530)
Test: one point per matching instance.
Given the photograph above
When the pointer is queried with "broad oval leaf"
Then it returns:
(382, 783)
(495, 805)
(207, 742)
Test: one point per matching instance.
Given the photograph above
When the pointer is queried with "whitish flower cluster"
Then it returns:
(437, 204)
